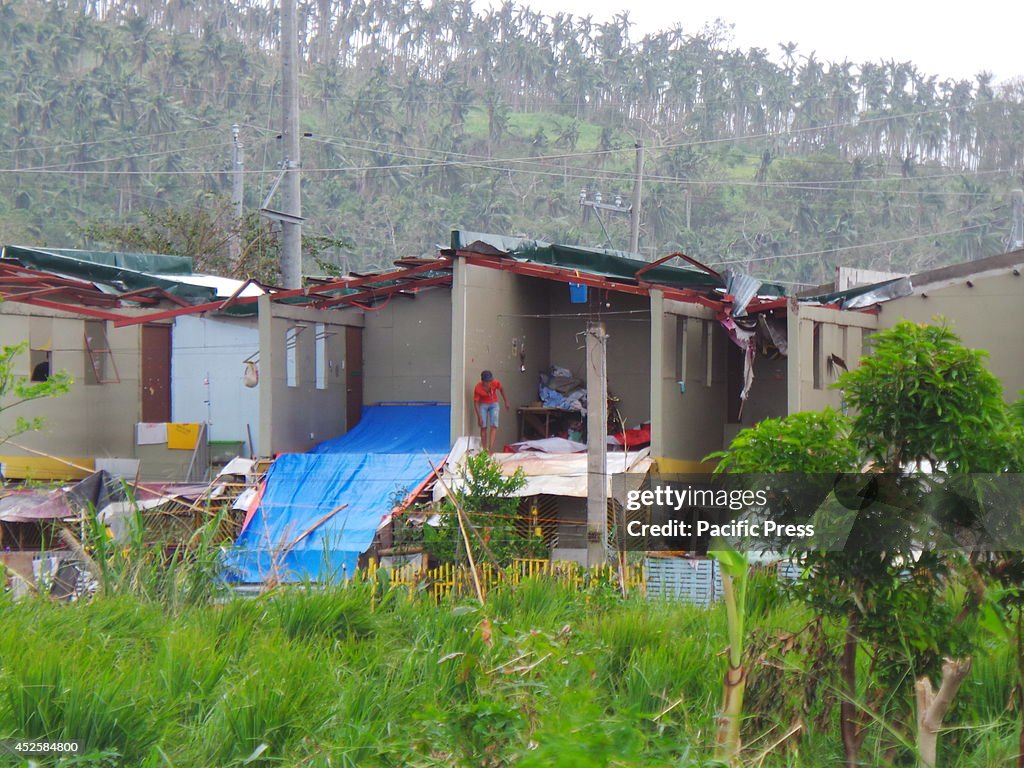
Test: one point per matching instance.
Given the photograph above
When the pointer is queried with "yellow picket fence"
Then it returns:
(447, 579)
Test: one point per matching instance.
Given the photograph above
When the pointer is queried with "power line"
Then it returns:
(483, 162)
(504, 167)
(827, 251)
(118, 139)
(120, 158)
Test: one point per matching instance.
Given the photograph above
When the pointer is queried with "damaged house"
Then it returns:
(152, 392)
(692, 357)
(369, 378)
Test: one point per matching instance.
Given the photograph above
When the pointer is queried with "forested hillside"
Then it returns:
(426, 118)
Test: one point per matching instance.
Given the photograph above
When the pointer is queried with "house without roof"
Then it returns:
(696, 353)
(65, 306)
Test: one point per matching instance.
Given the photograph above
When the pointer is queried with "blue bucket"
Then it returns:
(577, 293)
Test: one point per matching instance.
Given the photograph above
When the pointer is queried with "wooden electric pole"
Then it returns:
(291, 224)
(597, 444)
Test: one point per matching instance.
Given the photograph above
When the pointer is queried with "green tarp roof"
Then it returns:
(598, 261)
(120, 272)
(154, 263)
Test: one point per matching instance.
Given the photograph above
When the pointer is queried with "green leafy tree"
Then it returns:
(924, 399)
(486, 497)
(810, 442)
(925, 410)
(1003, 612)
(203, 232)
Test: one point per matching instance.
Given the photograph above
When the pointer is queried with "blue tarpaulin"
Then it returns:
(301, 530)
(395, 429)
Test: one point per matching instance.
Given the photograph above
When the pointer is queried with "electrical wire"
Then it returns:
(519, 165)
(117, 139)
(120, 158)
(853, 247)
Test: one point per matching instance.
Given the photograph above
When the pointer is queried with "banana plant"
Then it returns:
(735, 571)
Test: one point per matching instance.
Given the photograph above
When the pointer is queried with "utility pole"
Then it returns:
(594, 203)
(1017, 231)
(634, 211)
(291, 224)
(234, 241)
(597, 444)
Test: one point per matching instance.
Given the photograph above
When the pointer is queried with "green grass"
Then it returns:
(353, 676)
(524, 125)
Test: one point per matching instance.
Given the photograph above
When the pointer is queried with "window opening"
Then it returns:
(100, 367)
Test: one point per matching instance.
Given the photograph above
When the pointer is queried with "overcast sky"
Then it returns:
(942, 38)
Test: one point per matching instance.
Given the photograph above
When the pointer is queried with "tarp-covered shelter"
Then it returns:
(319, 510)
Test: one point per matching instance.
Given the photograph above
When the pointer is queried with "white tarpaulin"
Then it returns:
(555, 474)
(551, 445)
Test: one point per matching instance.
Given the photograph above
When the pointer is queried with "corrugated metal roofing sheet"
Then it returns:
(595, 261)
(123, 272)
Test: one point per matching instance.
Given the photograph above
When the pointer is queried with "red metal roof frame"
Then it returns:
(380, 293)
(152, 296)
(76, 309)
(340, 284)
(769, 305)
(25, 295)
(684, 257)
(643, 288)
(14, 277)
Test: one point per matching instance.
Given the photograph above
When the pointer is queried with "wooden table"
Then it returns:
(535, 421)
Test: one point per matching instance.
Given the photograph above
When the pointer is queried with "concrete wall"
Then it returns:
(295, 418)
(988, 315)
(407, 349)
(505, 322)
(705, 416)
(768, 395)
(688, 424)
(91, 420)
(97, 420)
(810, 375)
(495, 316)
(158, 462)
(207, 366)
(629, 348)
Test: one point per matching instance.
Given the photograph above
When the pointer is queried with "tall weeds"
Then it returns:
(173, 573)
(366, 674)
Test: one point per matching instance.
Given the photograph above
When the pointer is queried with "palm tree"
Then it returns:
(498, 114)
